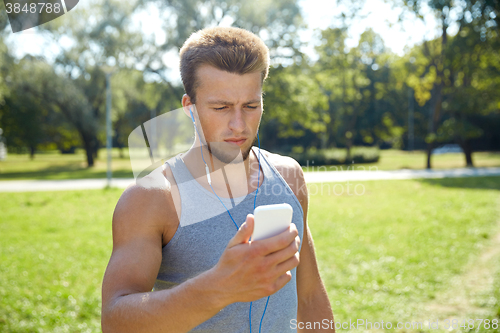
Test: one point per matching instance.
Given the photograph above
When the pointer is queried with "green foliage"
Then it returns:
(363, 90)
(457, 75)
(103, 35)
(135, 101)
(467, 69)
(348, 97)
(32, 114)
(278, 22)
(320, 157)
(292, 97)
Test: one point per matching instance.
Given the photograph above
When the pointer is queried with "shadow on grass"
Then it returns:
(486, 183)
(64, 171)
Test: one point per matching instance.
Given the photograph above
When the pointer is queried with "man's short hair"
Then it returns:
(230, 49)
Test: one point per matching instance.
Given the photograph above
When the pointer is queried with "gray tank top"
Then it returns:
(199, 242)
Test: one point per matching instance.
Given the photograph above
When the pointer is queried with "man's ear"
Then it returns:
(186, 104)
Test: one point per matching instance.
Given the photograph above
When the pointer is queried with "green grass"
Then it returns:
(53, 165)
(387, 254)
(54, 249)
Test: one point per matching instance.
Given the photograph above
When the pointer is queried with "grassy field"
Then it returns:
(398, 159)
(53, 165)
(53, 253)
(387, 250)
(410, 250)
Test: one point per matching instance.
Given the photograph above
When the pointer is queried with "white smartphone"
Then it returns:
(271, 220)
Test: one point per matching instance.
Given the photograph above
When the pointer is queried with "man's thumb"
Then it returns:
(244, 233)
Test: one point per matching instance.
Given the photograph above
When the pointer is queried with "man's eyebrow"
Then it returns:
(223, 102)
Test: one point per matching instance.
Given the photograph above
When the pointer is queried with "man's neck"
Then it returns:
(228, 179)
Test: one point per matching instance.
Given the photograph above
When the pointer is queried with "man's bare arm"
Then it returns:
(245, 272)
(314, 305)
(128, 303)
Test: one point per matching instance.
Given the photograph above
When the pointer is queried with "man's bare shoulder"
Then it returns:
(292, 173)
(147, 190)
(147, 203)
(288, 167)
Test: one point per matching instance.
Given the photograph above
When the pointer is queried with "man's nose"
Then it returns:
(237, 121)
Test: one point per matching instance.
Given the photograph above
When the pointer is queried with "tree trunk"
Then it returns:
(89, 150)
(348, 158)
(32, 152)
(351, 127)
(434, 123)
(439, 93)
(467, 152)
(468, 158)
(430, 146)
(90, 156)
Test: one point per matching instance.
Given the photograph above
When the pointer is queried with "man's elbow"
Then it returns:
(107, 321)
(109, 318)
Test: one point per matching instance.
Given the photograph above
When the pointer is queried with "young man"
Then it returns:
(201, 264)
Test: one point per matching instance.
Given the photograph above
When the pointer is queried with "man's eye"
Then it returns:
(251, 107)
(219, 109)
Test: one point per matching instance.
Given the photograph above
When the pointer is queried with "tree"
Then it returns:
(102, 36)
(485, 15)
(290, 92)
(38, 106)
(379, 117)
(474, 85)
(5, 58)
(277, 22)
(23, 112)
(293, 104)
(333, 69)
(356, 83)
(136, 101)
(4, 20)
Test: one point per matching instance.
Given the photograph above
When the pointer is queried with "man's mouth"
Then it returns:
(236, 141)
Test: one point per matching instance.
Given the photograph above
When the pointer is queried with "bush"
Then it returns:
(335, 156)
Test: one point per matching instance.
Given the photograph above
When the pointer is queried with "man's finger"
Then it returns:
(289, 264)
(279, 242)
(283, 279)
(244, 233)
(286, 253)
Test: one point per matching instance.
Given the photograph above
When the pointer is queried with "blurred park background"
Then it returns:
(395, 84)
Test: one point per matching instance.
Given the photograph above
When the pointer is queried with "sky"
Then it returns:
(318, 14)
(378, 15)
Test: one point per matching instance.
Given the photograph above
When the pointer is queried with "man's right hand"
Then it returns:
(249, 270)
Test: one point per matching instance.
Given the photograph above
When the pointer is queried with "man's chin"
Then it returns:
(229, 153)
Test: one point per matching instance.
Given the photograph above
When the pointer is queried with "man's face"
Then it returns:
(229, 107)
